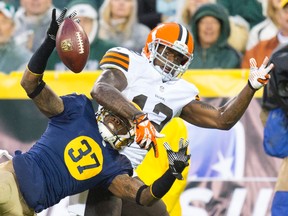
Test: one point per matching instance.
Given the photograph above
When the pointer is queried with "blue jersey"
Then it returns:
(70, 157)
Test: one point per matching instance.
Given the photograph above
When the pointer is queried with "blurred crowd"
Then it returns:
(226, 33)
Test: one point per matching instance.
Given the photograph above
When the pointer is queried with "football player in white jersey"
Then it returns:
(152, 80)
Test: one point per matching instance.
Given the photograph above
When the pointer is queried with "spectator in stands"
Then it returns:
(61, 4)
(211, 29)
(153, 12)
(244, 15)
(15, 3)
(99, 3)
(32, 20)
(64, 3)
(118, 23)
(238, 25)
(250, 10)
(87, 13)
(239, 33)
(266, 29)
(12, 57)
(185, 13)
(266, 47)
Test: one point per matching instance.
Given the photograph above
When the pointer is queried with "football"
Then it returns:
(72, 45)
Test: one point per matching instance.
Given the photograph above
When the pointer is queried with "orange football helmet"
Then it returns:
(176, 37)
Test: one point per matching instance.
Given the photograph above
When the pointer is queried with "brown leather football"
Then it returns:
(72, 45)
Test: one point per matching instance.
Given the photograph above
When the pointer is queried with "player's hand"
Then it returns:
(55, 23)
(178, 160)
(145, 133)
(259, 77)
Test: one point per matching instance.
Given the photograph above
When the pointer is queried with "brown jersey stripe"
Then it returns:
(113, 62)
(116, 58)
(116, 61)
(118, 55)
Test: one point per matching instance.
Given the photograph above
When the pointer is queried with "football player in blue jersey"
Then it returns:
(72, 156)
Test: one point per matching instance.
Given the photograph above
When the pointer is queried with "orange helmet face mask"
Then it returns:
(169, 36)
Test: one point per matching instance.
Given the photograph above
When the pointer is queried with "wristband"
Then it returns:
(139, 192)
(37, 90)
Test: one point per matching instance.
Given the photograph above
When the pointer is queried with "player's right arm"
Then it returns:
(107, 91)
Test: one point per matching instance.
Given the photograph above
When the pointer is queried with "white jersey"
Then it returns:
(160, 100)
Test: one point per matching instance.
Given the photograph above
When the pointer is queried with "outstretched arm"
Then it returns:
(32, 81)
(205, 115)
(133, 189)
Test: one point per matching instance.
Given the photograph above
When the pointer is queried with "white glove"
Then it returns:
(259, 77)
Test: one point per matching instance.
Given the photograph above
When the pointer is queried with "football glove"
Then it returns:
(145, 133)
(259, 77)
(178, 160)
(55, 23)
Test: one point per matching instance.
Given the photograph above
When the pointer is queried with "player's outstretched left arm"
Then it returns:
(134, 189)
(205, 115)
(32, 81)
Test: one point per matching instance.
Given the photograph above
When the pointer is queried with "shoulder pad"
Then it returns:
(117, 57)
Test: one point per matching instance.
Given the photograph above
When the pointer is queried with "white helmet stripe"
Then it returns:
(155, 31)
(183, 34)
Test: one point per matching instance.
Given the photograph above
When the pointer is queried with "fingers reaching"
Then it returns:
(72, 15)
(178, 160)
(253, 63)
(265, 61)
(259, 77)
(61, 16)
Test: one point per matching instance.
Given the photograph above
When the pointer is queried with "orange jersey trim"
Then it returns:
(116, 58)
